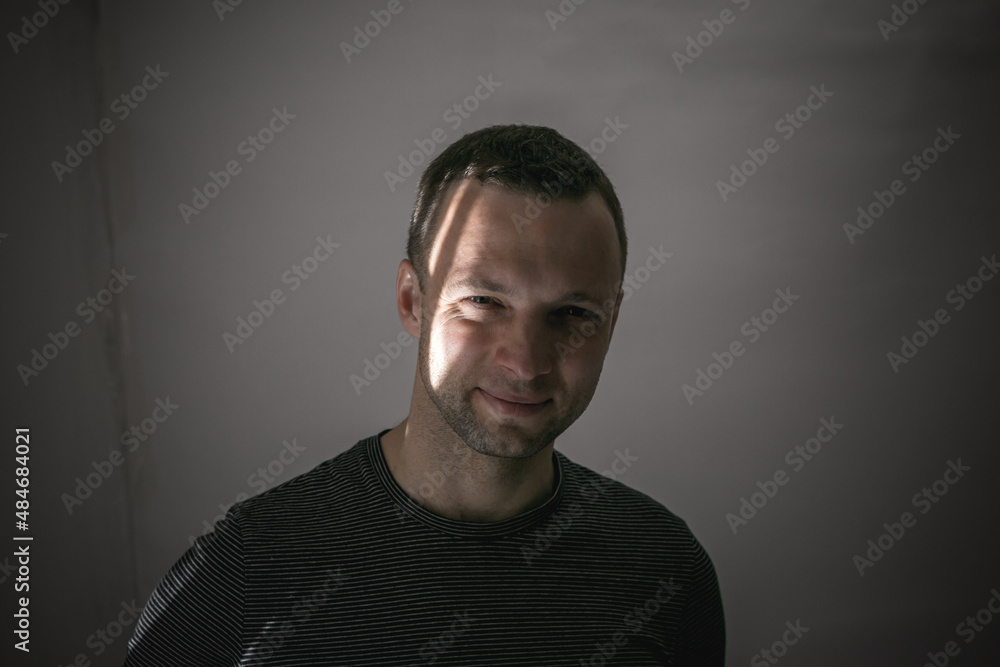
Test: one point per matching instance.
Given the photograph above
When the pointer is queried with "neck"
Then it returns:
(444, 475)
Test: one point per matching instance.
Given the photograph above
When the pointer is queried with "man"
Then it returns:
(460, 537)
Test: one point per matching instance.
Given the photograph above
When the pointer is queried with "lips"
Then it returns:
(508, 405)
(515, 398)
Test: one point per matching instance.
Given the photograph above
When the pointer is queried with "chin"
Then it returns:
(510, 439)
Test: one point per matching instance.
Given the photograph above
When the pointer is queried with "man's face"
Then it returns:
(519, 314)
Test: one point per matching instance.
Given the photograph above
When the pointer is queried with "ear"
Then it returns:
(409, 300)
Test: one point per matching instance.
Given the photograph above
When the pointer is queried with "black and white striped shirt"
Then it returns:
(338, 566)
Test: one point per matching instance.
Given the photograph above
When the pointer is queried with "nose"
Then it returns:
(525, 348)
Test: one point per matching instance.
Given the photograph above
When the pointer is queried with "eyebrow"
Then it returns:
(478, 283)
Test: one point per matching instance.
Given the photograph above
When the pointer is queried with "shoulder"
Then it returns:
(621, 507)
(336, 485)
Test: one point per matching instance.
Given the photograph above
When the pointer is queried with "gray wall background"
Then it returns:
(324, 176)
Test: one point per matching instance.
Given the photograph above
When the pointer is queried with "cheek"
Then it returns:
(584, 360)
(457, 343)
(577, 366)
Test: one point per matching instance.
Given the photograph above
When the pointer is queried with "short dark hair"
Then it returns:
(530, 159)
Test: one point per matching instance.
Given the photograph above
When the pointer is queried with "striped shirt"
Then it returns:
(339, 566)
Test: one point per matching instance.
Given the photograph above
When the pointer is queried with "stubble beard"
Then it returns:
(502, 438)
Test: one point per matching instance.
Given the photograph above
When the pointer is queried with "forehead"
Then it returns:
(485, 230)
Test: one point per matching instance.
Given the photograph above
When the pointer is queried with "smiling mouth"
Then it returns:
(513, 408)
(512, 398)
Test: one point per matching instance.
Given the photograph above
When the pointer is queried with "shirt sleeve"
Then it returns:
(195, 614)
(702, 641)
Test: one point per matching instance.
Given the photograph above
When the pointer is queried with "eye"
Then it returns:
(486, 302)
(581, 313)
